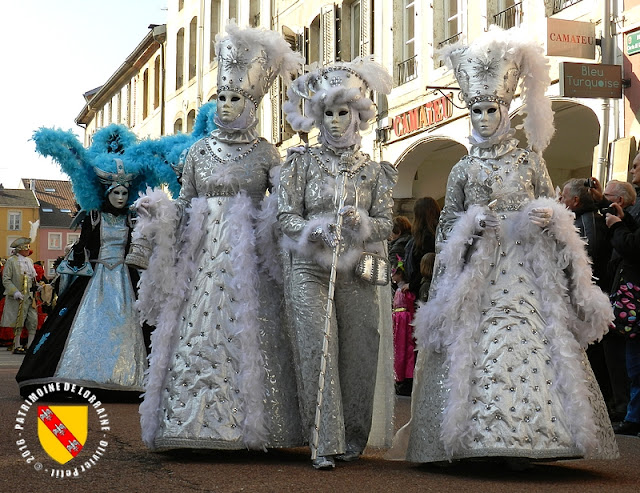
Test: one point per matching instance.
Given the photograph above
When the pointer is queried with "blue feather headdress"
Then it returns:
(80, 164)
(164, 158)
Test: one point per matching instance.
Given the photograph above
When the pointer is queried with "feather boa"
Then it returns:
(154, 290)
(575, 309)
(244, 288)
(164, 337)
(245, 284)
(319, 252)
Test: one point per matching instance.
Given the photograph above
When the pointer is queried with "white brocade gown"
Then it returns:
(220, 369)
(502, 370)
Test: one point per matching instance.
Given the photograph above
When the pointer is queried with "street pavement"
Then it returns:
(126, 465)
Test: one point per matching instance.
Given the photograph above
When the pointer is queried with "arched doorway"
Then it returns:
(570, 153)
(423, 170)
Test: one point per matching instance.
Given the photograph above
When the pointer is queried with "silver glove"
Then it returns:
(487, 220)
(541, 216)
(350, 217)
(328, 235)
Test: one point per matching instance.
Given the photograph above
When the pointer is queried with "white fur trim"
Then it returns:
(164, 336)
(557, 258)
(244, 285)
(156, 282)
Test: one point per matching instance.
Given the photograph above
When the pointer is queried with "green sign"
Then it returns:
(633, 43)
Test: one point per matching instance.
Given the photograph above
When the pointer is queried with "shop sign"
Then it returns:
(571, 38)
(590, 80)
(423, 117)
(633, 43)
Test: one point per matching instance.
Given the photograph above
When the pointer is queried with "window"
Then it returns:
(51, 272)
(145, 93)
(407, 68)
(55, 241)
(50, 190)
(191, 120)
(177, 126)
(559, 5)
(15, 220)
(449, 31)
(119, 107)
(72, 238)
(180, 5)
(193, 43)
(233, 10)
(509, 14)
(67, 211)
(129, 104)
(356, 39)
(47, 209)
(214, 28)
(180, 58)
(453, 15)
(156, 83)
(254, 13)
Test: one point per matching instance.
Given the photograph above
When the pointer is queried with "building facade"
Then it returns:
(421, 127)
(56, 210)
(18, 211)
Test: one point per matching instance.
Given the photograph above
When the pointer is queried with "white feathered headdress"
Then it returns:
(342, 82)
(490, 68)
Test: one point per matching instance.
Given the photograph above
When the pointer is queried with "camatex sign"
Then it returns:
(571, 38)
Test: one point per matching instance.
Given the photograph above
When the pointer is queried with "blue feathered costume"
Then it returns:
(94, 338)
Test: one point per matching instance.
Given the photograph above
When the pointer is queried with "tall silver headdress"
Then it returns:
(249, 60)
(490, 68)
(348, 81)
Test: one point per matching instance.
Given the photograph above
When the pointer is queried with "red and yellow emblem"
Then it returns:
(62, 430)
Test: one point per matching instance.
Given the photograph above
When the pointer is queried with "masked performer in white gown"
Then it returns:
(502, 370)
(337, 102)
(220, 374)
(93, 338)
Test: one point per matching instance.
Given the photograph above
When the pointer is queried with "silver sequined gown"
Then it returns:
(94, 338)
(307, 199)
(221, 368)
(501, 370)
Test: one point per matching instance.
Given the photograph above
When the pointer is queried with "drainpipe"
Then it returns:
(602, 166)
(200, 54)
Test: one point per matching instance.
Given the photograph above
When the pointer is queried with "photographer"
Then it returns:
(625, 239)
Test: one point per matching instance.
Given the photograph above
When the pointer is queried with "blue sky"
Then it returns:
(53, 51)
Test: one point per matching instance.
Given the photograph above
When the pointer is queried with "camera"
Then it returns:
(609, 210)
(590, 183)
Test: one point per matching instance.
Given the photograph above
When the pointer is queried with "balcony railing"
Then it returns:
(449, 41)
(446, 42)
(408, 70)
(559, 5)
(508, 18)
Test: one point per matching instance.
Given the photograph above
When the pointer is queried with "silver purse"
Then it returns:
(373, 268)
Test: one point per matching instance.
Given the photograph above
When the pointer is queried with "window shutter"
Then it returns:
(365, 28)
(327, 28)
